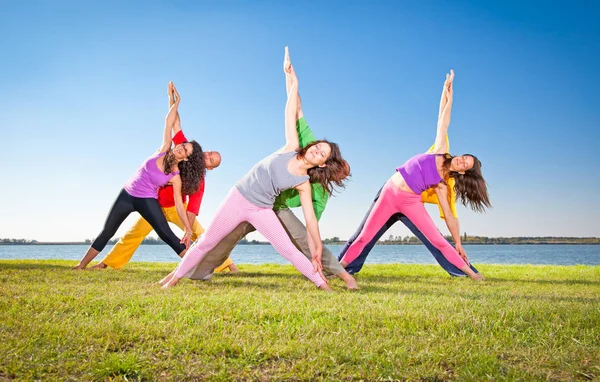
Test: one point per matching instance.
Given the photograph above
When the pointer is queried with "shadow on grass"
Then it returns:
(375, 289)
(549, 282)
(444, 279)
(33, 266)
(157, 273)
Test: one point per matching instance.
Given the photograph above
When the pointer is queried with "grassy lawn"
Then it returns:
(408, 322)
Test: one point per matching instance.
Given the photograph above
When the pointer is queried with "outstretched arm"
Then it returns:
(291, 109)
(442, 193)
(441, 146)
(170, 121)
(312, 227)
(180, 208)
(173, 94)
(288, 83)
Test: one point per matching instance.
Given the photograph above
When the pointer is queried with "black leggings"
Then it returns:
(148, 208)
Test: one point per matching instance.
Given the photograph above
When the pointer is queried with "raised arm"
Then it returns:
(173, 94)
(291, 109)
(170, 122)
(288, 83)
(441, 146)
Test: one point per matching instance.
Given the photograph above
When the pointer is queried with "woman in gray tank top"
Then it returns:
(252, 197)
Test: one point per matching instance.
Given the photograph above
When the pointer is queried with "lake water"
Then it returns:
(381, 254)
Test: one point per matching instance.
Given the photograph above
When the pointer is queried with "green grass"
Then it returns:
(408, 322)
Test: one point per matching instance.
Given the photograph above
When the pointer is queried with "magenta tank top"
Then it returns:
(420, 172)
(148, 179)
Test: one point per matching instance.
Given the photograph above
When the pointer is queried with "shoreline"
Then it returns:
(336, 243)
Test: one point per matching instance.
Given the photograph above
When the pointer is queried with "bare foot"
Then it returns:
(167, 278)
(326, 287)
(351, 284)
(99, 266)
(171, 283)
(349, 280)
(233, 268)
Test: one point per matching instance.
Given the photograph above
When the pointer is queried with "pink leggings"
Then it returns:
(391, 201)
(234, 210)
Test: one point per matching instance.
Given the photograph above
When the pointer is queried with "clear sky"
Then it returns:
(83, 95)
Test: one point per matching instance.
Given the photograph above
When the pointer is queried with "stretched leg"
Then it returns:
(381, 211)
(119, 211)
(220, 253)
(437, 254)
(270, 227)
(413, 208)
(122, 252)
(151, 211)
(297, 233)
(358, 263)
(197, 230)
(232, 211)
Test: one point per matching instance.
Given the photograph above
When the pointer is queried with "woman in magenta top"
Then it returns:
(402, 193)
(181, 166)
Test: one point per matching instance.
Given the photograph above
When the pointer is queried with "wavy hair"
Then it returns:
(470, 187)
(334, 173)
(192, 171)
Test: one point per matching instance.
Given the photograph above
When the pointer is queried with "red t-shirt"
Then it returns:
(165, 194)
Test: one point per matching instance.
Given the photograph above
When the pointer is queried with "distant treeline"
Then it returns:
(391, 240)
(148, 240)
(408, 240)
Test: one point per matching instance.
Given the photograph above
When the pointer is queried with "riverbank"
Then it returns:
(268, 323)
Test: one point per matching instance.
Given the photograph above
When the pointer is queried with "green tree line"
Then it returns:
(390, 240)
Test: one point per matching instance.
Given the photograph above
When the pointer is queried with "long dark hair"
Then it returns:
(334, 173)
(470, 187)
(191, 171)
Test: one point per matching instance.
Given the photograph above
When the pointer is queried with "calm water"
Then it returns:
(412, 254)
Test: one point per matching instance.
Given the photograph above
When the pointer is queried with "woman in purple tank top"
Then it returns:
(181, 166)
(402, 195)
(251, 199)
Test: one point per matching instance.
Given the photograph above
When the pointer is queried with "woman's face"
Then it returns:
(318, 154)
(183, 151)
(462, 163)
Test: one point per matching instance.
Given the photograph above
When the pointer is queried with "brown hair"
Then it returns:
(470, 187)
(191, 171)
(334, 173)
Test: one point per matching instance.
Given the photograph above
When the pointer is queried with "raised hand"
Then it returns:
(449, 81)
(170, 89)
(175, 92)
(287, 63)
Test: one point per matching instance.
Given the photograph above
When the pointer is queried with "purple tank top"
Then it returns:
(148, 179)
(420, 172)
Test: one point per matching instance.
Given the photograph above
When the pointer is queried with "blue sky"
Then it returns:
(84, 98)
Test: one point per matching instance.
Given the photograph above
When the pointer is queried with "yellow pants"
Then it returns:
(122, 252)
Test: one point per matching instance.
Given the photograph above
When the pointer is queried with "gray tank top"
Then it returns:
(268, 178)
